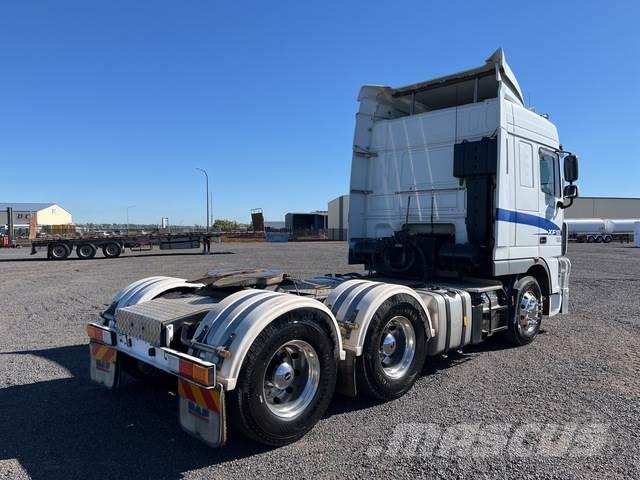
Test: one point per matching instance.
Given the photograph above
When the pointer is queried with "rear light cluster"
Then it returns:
(101, 334)
(198, 371)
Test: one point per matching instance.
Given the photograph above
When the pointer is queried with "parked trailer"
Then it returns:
(87, 247)
(600, 230)
(457, 198)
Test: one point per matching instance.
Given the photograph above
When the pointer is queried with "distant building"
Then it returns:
(338, 219)
(301, 224)
(46, 214)
(604, 207)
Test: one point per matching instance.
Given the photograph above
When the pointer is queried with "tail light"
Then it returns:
(101, 334)
(194, 369)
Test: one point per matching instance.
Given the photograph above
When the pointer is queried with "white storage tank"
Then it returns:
(586, 226)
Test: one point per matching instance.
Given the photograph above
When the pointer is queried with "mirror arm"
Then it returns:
(562, 205)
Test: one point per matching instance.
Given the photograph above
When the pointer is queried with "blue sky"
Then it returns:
(105, 104)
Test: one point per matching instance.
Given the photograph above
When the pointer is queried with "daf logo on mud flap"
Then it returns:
(198, 411)
(102, 365)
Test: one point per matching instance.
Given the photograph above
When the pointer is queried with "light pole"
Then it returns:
(213, 219)
(207, 197)
(130, 206)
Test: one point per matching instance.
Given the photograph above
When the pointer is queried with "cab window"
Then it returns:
(548, 173)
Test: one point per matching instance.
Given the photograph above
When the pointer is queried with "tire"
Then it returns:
(60, 251)
(269, 404)
(526, 317)
(111, 250)
(608, 238)
(86, 251)
(389, 366)
(599, 239)
(590, 239)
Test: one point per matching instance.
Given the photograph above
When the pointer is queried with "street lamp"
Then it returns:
(207, 197)
(130, 206)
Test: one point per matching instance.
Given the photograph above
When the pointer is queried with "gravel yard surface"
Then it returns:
(579, 379)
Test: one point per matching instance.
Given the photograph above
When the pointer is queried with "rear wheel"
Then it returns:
(111, 249)
(286, 381)
(608, 238)
(86, 251)
(60, 251)
(394, 351)
(527, 313)
(599, 239)
(591, 239)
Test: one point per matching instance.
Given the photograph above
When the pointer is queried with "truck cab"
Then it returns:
(455, 177)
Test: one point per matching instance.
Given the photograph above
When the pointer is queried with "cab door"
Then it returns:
(527, 198)
(550, 234)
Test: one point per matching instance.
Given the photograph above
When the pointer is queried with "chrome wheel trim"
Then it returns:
(397, 347)
(530, 314)
(291, 379)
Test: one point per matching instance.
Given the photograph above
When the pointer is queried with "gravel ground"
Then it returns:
(583, 369)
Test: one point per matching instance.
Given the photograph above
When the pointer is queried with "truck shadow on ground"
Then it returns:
(43, 258)
(69, 427)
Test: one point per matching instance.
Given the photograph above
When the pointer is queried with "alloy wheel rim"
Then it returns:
(397, 347)
(291, 379)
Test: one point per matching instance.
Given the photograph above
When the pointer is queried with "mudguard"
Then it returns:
(227, 332)
(354, 303)
(149, 288)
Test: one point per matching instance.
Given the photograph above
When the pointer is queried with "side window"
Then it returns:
(525, 159)
(547, 173)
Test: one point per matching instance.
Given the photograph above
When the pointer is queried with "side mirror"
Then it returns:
(570, 191)
(570, 168)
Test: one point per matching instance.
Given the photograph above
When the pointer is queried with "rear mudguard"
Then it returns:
(149, 288)
(356, 301)
(231, 327)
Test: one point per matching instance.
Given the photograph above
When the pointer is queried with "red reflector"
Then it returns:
(197, 373)
(186, 369)
(101, 335)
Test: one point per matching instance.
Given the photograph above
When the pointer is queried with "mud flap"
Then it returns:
(346, 384)
(105, 367)
(202, 412)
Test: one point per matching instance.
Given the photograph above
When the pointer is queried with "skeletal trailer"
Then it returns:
(87, 247)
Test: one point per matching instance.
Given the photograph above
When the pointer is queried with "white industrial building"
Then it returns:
(604, 207)
(338, 218)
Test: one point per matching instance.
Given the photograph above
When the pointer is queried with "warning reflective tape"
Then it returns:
(103, 353)
(205, 397)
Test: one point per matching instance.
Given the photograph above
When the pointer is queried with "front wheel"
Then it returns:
(394, 351)
(286, 381)
(527, 312)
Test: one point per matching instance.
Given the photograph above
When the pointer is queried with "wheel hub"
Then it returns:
(397, 347)
(283, 376)
(291, 379)
(388, 344)
(530, 313)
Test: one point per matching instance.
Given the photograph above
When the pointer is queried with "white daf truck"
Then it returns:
(457, 199)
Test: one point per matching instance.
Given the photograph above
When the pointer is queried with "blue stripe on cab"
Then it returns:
(525, 219)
